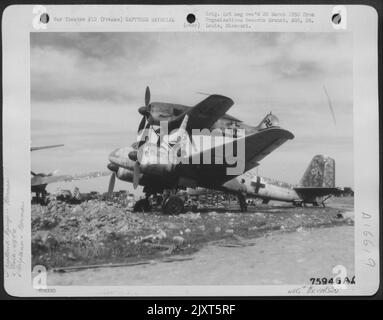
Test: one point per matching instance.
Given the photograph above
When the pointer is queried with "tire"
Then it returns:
(141, 205)
(298, 203)
(173, 205)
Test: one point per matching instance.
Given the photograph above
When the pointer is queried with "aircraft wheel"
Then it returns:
(141, 205)
(173, 205)
(159, 200)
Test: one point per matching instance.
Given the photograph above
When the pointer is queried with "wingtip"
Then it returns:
(288, 134)
(225, 99)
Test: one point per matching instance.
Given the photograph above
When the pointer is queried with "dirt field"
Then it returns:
(284, 258)
(98, 233)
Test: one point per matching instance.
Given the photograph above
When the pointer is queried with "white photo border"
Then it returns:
(18, 22)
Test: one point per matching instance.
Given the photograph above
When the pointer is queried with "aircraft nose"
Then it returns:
(120, 157)
(115, 155)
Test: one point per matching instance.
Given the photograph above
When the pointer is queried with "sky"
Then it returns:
(86, 89)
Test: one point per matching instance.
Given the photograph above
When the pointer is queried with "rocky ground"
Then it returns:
(99, 232)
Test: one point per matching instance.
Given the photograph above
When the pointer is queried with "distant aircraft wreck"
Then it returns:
(316, 185)
(39, 181)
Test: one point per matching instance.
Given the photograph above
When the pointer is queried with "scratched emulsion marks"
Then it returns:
(320, 173)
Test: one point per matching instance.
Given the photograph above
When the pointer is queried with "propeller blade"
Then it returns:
(147, 96)
(112, 181)
(136, 174)
(192, 142)
(142, 124)
(184, 123)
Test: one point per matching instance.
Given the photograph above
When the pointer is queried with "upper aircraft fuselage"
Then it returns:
(164, 111)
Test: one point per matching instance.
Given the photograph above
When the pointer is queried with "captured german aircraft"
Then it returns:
(39, 181)
(317, 185)
(139, 164)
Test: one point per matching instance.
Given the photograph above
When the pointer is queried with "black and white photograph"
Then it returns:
(189, 159)
(92, 94)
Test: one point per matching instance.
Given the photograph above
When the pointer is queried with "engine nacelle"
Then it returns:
(125, 174)
(155, 160)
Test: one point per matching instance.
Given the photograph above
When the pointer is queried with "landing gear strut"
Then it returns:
(242, 202)
(42, 197)
(325, 199)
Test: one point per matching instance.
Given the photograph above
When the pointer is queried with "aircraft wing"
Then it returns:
(257, 146)
(46, 147)
(317, 191)
(40, 180)
(204, 114)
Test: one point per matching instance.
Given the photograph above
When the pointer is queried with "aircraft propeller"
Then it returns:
(145, 121)
(147, 97)
(136, 174)
(145, 111)
(112, 181)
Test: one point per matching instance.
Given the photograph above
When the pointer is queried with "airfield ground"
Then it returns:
(98, 233)
(292, 259)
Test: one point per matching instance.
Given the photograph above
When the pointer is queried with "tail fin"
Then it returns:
(320, 173)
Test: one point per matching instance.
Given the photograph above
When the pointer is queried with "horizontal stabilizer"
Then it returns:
(313, 192)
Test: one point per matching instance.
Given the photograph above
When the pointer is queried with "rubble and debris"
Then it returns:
(96, 231)
(178, 240)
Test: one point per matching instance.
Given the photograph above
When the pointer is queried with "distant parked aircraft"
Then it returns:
(39, 181)
(316, 185)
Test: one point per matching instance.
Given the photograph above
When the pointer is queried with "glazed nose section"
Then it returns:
(115, 155)
(120, 157)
